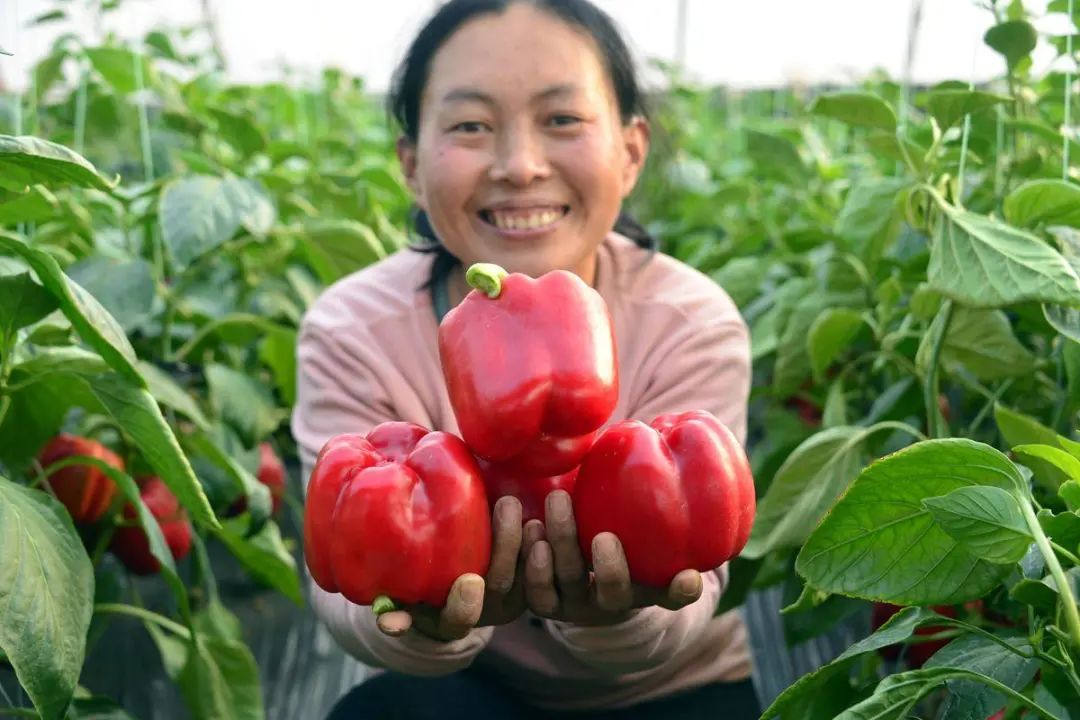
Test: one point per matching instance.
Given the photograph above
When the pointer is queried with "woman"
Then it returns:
(523, 130)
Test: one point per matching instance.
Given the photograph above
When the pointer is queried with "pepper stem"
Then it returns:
(486, 277)
(382, 604)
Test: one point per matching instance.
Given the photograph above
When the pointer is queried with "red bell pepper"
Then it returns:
(678, 493)
(530, 368)
(130, 543)
(398, 513)
(271, 473)
(84, 490)
(532, 492)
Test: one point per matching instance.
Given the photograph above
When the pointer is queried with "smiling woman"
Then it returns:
(522, 132)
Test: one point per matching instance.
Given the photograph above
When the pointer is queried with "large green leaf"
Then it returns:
(856, 108)
(264, 555)
(118, 67)
(244, 403)
(969, 700)
(22, 302)
(832, 332)
(201, 213)
(221, 680)
(239, 131)
(93, 322)
(36, 205)
(804, 487)
(125, 287)
(777, 157)
(168, 393)
(1015, 39)
(986, 520)
(880, 543)
(949, 106)
(47, 596)
(869, 218)
(982, 341)
(1050, 202)
(981, 262)
(26, 160)
(336, 248)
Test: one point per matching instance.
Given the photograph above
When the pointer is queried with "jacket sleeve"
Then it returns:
(343, 386)
(704, 365)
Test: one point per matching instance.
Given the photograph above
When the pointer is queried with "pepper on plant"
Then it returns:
(84, 490)
(130, 543)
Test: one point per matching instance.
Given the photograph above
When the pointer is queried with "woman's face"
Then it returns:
(521, 157)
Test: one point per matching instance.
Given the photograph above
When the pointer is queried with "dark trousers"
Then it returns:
(469, 695)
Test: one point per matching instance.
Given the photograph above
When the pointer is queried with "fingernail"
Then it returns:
(559, 506)
(504, 509)
(534, 530)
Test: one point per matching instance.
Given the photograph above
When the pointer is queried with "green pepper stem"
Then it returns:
(382, 604)
(486, 277)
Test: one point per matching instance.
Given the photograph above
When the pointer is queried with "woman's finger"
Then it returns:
(570, 573)
(611, 576)
(540, 593)
(506, 545)
(463, 607)
(395, 622)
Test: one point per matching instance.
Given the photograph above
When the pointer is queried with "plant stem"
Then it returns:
(19, 712)
(144, 614)
(933, 415)
(1065, 593)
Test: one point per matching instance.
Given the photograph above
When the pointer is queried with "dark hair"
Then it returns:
(411, 76)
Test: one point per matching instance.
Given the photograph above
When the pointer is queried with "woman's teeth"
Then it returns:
(523, 221)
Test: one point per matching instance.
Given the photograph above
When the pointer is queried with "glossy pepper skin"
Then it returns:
(400, 512)
(530, 367)
(84, 490)
(678, 493)
(532, 492)
(130, 543)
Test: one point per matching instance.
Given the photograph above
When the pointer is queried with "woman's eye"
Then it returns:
(564, 120)
(469, 126)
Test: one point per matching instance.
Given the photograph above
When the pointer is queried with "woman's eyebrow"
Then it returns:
(464, 94)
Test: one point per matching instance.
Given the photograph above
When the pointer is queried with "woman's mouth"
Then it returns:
(525, 220)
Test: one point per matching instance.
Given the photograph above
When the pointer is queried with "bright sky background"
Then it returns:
(734, 42)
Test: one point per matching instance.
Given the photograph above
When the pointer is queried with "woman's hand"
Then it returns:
(474, 601)
(560, 587)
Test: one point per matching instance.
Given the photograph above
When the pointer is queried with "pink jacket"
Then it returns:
(368, 354)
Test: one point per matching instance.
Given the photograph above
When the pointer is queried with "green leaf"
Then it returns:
(950, 106)
(835, 413)
(1066, 320)
(969, 700)
(22, 302)
(336, 248)
(1014, 39)
(1070, 493)
(805, 693)
(986, 520)
(221, 680)
(278, 351)
(981, 262)
(804, 488)
(896, 695)
(234, 329)
(742, 278)
(217, 621)
(93, 322)
(776, 157)
(244, 403)
(165, 390)
(1067, 463)
(125, 287)
(215, 446)
(879, 542)
(1018, 429)
(135, 410)
(36, 205)
(47, 596)
(856, 108)
(831, 334)
(264, 555)
(1050, 202)
(1063, 528)
(982, 341)
(1036, 593)
(29, 160)
(200, 213)
(869, 218)
(117, 67)
(96, 708)
(239, 131)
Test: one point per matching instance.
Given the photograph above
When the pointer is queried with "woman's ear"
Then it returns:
(406, 153)
(636, 138)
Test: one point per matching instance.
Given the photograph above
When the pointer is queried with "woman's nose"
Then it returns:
(519, 159)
